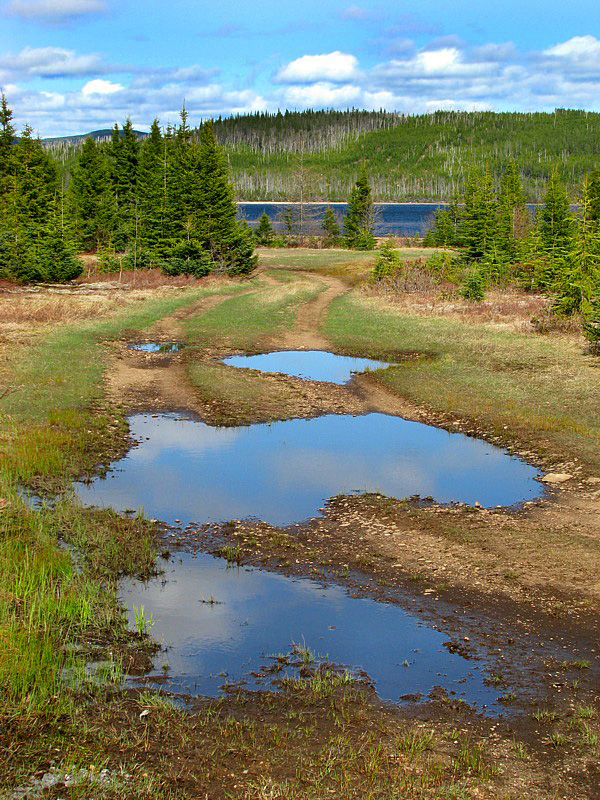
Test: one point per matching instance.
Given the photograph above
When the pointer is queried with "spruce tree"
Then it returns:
(91, 202)
(264, 232)
(331, 228)
(124, 154)
(594, 193)
(359, 220)
(578, 280)
(228, 242)
(556, 223)
(8, 187)
(150, 189)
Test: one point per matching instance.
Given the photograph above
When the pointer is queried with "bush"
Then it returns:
(187, 258)
(388, 262)
(473, 287)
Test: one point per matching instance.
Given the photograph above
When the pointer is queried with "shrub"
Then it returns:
(473, 287)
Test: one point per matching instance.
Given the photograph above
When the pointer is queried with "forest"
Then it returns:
(317, 154)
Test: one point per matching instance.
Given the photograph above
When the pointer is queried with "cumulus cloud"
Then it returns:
(336, 67)
(55, 10)
(579, 48)
(100, 87)
(51, 62)
(446, 74)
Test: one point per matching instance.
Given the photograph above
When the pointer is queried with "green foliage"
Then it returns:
(34, 244)
(591, 324)
(359, 219)
(264, 233)
(91, 203)
(188, 258)
(473, 287)
(331, 228)
(388, 262)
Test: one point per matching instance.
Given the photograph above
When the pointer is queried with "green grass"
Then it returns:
(536, 389)
(242, 322)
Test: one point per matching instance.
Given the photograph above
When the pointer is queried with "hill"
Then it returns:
(316, 155)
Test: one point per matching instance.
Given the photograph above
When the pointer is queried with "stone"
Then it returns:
(593, 481)
(556, 477)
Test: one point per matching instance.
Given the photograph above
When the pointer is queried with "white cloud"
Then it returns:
(336, 67)
(444, 75)
(579, 48)
(51, 62)
(55, 10)
(319, 95)
(100, 87)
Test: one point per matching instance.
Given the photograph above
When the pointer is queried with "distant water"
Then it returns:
(402, 219)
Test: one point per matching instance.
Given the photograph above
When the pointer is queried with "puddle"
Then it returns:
(312, 365)
(157, 347)
(283, 472)
(219, 625)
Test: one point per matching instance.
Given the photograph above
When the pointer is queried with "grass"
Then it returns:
(241, 322)
(352, 266)
(541, 390)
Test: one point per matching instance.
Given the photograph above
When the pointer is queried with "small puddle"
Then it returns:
(156, 347)
(283, 472)
(311, 365)
(222, 625)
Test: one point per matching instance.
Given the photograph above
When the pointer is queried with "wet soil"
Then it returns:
(521, 587)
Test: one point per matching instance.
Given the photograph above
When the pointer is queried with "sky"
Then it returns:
(72, 66)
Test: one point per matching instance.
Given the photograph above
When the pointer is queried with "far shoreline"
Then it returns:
(332, 203)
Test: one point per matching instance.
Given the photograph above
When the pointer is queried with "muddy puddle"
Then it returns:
(184, 470)
(311, 365)
(156, 347)
(220, 624)
(223, 625)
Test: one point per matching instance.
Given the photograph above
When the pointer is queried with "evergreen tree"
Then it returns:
(578, 281)
(331, 228)
(124, 157)
(150, 189)
(229, 243)
(264, 232)
(556, 224)
(388, 262)
(512, 211)
(90, 199)
(594, 192)
(479, 222)
(359, 219)
(8, 187)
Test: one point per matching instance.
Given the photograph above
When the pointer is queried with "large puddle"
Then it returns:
(187, 471)
(222, 625)
(312, 365)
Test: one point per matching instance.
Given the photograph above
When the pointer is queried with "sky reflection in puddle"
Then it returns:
(283, 472)
(312, 365)
(220, 624)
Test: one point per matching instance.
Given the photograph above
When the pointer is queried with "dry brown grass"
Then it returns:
(508, 307)
(143, 279)
(24, 309)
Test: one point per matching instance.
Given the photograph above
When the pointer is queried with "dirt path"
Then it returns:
(305, 334)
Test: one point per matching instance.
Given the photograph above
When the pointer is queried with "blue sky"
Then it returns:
(70, 66)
